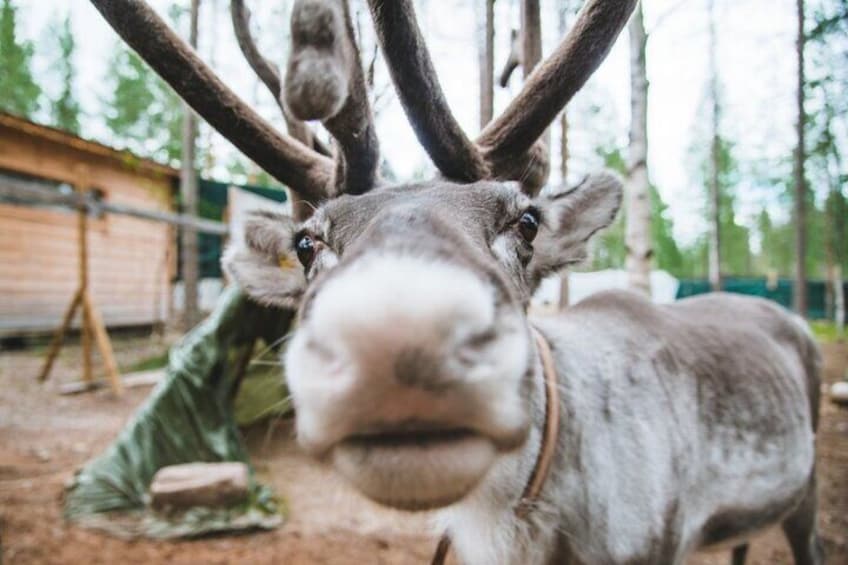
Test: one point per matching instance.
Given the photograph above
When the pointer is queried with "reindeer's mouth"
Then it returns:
(422, 438)
(415, 468)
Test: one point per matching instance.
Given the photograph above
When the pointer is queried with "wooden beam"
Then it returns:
(17, 191)
(59, 337)
(104, 345)
(82, 270)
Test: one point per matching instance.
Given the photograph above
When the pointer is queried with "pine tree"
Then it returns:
(142, 111)
(19, 92)
(65, 109)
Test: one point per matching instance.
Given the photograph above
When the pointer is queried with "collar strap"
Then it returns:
(546, 451)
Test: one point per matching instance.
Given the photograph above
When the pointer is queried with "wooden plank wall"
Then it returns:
(131, 260)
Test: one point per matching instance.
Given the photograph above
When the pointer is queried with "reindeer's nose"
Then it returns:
(405, 342)
(402, 318)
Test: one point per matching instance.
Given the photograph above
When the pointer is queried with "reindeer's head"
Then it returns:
(412, 351)
(410, 364)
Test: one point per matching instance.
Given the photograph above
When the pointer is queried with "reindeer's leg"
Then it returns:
(740, 552)
(800, 530)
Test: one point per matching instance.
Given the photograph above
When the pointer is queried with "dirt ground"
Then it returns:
(45, 436)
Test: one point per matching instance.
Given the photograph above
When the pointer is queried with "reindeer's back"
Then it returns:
(724, 311)
(709, 401)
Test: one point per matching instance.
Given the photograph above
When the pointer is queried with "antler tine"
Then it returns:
(509, 137)
(513, 60)
(269, 74)
(420, 93)
(293, 164)
(325, 81)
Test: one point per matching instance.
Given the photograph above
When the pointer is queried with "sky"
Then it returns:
(755, 55)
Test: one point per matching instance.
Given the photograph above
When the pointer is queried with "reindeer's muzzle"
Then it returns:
(407, 373)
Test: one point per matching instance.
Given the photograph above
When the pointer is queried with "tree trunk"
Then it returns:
(638, 229)
(487, 65)
(838, 299)
(531, 35)
(715, 187)
(563, 159)
(800, 287)
(188, 192)
(531, 45)
(563, 118)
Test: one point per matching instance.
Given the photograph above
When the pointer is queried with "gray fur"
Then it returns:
(683, 426)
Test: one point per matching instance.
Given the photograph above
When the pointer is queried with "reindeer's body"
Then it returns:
(413, 368)
(677, 421)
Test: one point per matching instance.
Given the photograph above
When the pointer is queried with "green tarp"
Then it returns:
(188, 417)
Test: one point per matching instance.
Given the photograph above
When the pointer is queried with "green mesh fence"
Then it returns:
(781, 292)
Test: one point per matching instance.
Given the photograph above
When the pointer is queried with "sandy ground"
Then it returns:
(44, 437)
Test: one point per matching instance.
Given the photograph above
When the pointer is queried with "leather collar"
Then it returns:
(547, 450)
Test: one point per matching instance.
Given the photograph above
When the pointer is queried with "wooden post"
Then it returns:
(92, 327)
(85, 330)
(59, 338)
(104, 344)
(188, 193)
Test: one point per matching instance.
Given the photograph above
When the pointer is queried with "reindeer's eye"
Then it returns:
(528, 225)
(305, 247)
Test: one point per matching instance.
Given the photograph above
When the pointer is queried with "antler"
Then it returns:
(325, 82)
(269, 74)
(420, 93)
(507, 148)
(289, 161)
(556, 80)
(513, 60)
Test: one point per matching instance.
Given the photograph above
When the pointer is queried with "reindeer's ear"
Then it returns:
(263, 263)
(571, 217)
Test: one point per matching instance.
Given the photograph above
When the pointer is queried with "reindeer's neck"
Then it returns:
(484, 527)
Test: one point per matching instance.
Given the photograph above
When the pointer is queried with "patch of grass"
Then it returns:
(263, 394)
(157, 361)
(826, 332)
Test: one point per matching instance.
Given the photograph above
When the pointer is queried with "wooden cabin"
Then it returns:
(131, 261)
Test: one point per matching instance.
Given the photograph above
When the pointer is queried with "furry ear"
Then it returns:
(264, 264)
(571, 218)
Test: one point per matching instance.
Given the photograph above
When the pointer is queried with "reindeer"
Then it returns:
(616, 432)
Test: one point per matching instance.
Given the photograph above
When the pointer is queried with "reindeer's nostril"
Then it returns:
(481, 339)
(416, 367)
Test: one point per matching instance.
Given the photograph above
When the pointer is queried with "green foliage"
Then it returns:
(142, 110)
(826, 122)
(156, 361)
(736, 257)
(610, 249)
(776, 248)
(826, 332)
(65, 110)
(667, 255)
(241, 171)
(19, 92)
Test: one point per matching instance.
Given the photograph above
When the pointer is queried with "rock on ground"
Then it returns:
(213, 485)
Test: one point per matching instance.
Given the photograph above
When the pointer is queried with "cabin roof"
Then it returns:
(94, 148)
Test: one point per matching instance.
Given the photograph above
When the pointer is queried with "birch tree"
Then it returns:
(487, 63)
(638, 229)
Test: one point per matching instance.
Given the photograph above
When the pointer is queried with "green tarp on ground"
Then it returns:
(188, 417)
